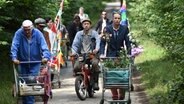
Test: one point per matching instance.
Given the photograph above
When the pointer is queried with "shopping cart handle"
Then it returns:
(29, 62)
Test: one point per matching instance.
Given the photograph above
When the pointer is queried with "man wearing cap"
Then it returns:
(40, 24)
(29, 45)
(84, 43)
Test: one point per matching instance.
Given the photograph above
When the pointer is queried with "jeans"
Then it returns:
(28, 70)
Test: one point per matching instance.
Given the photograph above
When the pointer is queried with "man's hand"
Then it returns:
(102, 56)
(16, 61)
(95, 51)
(44, 60)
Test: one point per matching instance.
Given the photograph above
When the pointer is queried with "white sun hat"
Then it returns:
(27, 23)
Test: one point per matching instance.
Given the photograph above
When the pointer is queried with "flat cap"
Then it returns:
(40, 21)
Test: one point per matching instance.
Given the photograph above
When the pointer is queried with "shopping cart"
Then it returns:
(32, 85)
(116, 78)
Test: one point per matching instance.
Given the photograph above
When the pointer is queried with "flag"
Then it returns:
(123, 14)
(59, 34)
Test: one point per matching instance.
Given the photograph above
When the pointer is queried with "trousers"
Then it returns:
(28, 70)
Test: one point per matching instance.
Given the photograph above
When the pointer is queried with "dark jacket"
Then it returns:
(115, 44)
(72, 30)
(99, 25)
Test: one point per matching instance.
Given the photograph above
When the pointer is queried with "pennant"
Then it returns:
(123, 13)
(53, 28)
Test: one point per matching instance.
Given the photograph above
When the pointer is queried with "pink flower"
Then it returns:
(136, 51)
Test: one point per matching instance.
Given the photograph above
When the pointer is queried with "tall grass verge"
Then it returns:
(6, 77)
(157, 70)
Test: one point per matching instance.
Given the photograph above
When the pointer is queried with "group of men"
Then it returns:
(29, 44)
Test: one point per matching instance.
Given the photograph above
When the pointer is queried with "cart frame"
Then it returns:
(124, 85)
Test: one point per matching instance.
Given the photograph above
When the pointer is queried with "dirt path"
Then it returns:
(66, 94)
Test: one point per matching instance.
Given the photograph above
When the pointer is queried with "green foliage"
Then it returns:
(162, 21)
(176, 91)
(120, 62)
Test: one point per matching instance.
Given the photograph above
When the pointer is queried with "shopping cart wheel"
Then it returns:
(132, 87)
(129, 101)
(102, 101)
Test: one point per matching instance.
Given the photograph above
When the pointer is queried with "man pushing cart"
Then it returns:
(28, 46)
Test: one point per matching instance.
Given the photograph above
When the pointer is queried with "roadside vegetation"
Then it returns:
(158, 24)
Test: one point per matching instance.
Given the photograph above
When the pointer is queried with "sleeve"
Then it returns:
(127, 41)
(46, 36)
(97, 37)
(44, 48)
(98, 25)
(15, 45)
(76, 43)
(103, 43)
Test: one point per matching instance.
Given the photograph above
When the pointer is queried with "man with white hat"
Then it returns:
(87, 41)
(29, 45)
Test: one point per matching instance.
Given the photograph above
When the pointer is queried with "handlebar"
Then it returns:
(73, 57)
(29, 62)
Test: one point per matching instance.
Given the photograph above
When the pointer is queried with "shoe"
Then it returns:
(96, 87)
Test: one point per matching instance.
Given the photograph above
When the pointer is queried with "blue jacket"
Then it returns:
(116, 42)
(34, 50)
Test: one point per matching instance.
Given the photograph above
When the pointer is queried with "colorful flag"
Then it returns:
(56, 51)
(123, 13)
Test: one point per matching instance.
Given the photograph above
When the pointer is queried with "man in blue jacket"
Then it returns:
(118, 36)
(86, 41)
(29, 45)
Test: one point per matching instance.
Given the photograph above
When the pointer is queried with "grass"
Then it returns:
(6, 77)
(156, 69)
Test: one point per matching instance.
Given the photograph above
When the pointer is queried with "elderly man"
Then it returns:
(29, 45)
(83, 43)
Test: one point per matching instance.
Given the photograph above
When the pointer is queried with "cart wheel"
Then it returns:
(129, 101)
(59, 84)
(102, 101)
(132, 87)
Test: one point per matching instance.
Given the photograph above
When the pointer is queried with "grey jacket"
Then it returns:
(78, 40)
